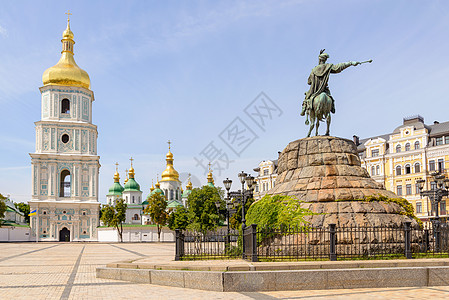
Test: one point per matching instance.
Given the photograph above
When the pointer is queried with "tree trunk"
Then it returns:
(159, 233)
(120, 232)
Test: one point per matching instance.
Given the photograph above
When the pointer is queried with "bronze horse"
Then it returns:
(321, 109)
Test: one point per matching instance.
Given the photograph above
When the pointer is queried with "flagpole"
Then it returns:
(37, 225)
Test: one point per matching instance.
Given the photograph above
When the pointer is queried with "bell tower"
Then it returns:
(65, 164)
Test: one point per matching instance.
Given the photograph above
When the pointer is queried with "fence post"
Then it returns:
(407, 240)
(436, 229)
(333, 242)
(178, 247)
(427, 239)
(254, 243)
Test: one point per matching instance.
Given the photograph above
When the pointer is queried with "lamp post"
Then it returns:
(241, 197)
(228, 183)
(435, 194)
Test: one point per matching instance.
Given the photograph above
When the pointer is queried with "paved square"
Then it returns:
(67, 271)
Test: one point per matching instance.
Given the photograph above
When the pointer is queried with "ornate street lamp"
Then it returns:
(435, 194)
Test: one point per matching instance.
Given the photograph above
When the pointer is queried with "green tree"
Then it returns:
(277, 211)
(114, 216)
(157, 209)
(235, 221)
(25, 209)
(203, 213)
(3, 208)
(178, 219)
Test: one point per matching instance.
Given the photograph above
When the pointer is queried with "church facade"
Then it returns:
(65, 164)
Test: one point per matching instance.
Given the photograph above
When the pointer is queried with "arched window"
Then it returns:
(65, 106)
(408, 169)
(407, 147)
(133, 199)
(416, 145)
(64, 190)
(377, 170)
(398, 148)
(398, 170)
(136, 217)
(417, 168)
(373, 170)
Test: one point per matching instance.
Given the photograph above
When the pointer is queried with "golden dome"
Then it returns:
(66, 71)
(152, 186)
(170, 174)
(116, 177)
(131, 172)
(158, 186)
(189, 185)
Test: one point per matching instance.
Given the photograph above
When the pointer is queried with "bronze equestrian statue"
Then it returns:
(318, 103)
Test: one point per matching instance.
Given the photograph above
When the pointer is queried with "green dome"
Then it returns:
(115, 190)
(186, 193)
(132, 185)
(210, 184)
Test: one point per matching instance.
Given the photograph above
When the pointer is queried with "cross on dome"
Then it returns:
(68, 15)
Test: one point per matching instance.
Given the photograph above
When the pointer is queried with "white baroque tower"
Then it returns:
(65, 165)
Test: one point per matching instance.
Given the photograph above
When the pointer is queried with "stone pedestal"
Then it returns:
(325, 174)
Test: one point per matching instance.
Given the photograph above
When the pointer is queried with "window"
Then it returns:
(373, 171)
(133, 199)
(418, 207)
(375, 152)
(136, 217)
(432, 165)
(416, 145)
(65, 138)
(446, 140)
(171, 194)
(265, 172)
(398, 148)
(64, 190)
(439, 141)
(440, 165)
(442, 207)
(407, 147)
(257, 188)
(408, 169)
(377, 170)
(65, 106)
(44, 212)
(399, 190)
(417, 168)
(84, 213)
(408, 189)
(433, 185)
(398, 170)
(416, 188)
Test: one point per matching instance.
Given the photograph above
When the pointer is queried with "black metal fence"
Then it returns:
(309, 243)
(218, 244)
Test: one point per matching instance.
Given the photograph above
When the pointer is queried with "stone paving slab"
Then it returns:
(25, 277)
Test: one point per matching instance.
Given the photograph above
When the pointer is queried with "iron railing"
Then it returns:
(316, 243)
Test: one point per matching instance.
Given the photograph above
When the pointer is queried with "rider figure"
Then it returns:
(319, 78)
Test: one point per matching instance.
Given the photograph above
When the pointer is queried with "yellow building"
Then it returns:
(266, 178)
(412, 151)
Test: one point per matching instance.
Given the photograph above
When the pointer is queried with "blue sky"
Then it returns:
(185, 70)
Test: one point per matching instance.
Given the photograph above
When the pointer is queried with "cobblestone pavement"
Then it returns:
(67, 271)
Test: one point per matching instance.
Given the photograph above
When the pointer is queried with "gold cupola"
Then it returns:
(189, 185)
(66, 71)
(152, 186)
(170, 174)
(210, 177)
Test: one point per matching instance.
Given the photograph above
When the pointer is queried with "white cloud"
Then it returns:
(3, 31)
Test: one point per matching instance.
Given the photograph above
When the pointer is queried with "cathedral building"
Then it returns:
(65, 164)
(170, 183)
